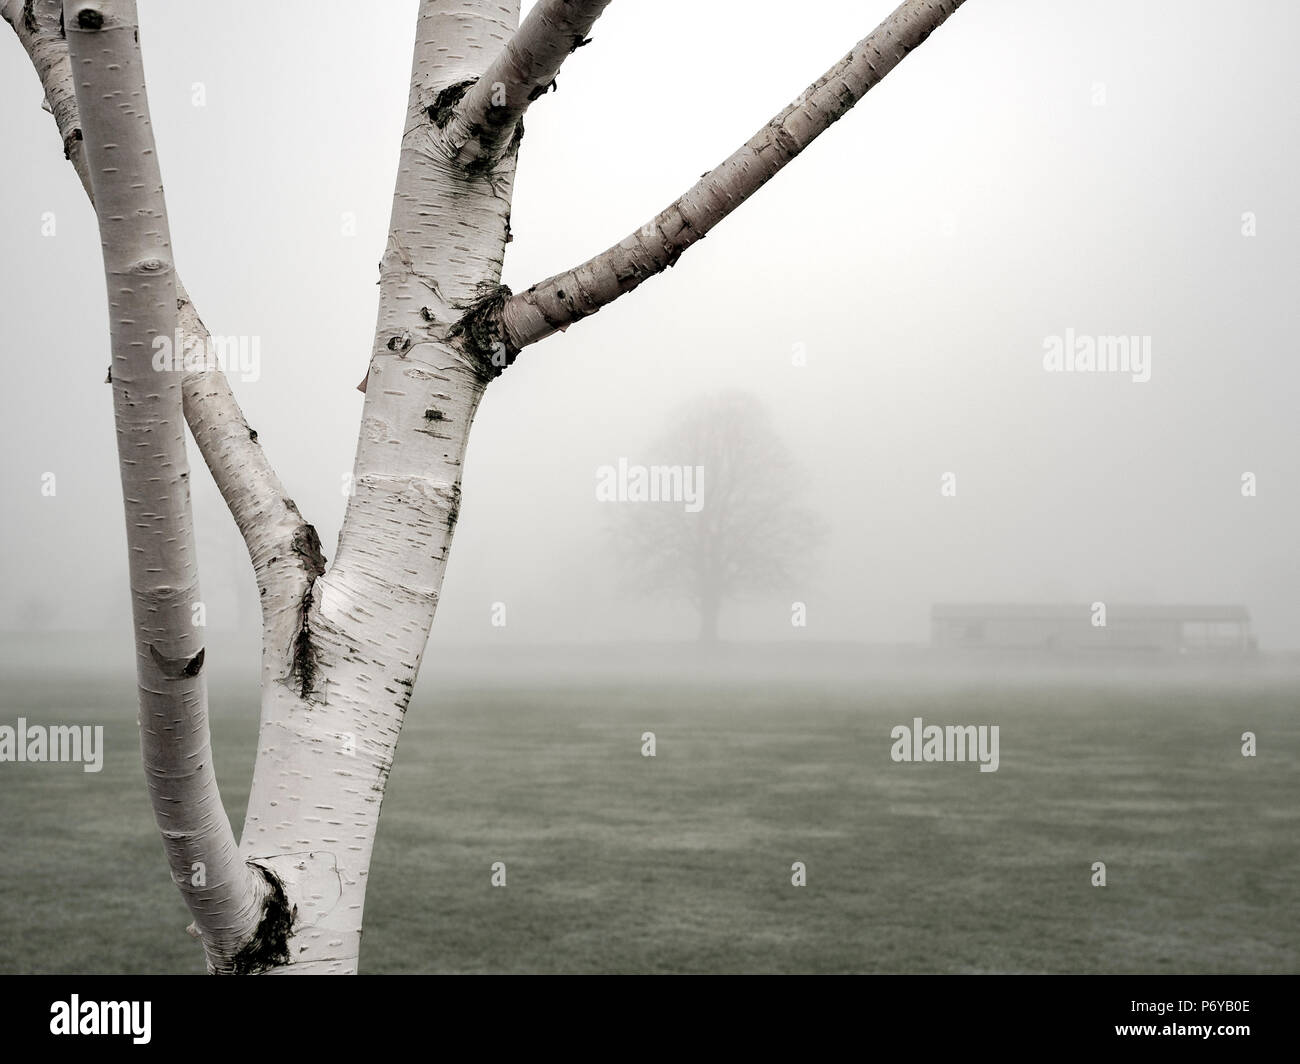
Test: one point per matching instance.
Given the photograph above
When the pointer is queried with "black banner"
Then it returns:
(1237, 1015)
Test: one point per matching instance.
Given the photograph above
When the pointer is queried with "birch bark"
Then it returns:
(329, 731)
(224, 894)
(525, 69)
(283, 547)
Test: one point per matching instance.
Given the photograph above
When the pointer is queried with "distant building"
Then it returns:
(1174, 630)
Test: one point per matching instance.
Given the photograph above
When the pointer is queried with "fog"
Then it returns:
(1091, 166)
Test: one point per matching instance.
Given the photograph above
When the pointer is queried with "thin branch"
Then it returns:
(39, 26)
(225, 895)
(554, 304)
(483, 123)
(278, 539)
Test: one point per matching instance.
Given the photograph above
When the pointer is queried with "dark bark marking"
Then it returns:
(175, 668)
(269, 946)
(542, 90)
(306, 544)
(444, 104)
(453, 511)
(303, 666)
(302, 669)
(482, 334)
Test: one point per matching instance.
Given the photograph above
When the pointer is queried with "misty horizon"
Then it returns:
(892, 299)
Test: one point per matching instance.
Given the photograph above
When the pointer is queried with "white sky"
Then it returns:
(976, 202)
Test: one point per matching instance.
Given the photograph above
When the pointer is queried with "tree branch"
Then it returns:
(555, 303)
(483, 123)
(275, 532)
(39, 26)
(225, 895)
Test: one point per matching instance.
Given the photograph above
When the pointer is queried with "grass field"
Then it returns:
(681, 863)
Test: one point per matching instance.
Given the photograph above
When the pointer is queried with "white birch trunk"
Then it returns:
(283, 547)
(224, 895)
(329, 730)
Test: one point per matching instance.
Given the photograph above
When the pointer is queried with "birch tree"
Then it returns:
(342, 643)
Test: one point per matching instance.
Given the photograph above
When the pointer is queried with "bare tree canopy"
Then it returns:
(744, 531)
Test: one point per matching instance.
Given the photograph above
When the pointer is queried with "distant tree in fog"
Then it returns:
(747, 534)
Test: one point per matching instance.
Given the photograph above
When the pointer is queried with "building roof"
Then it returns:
(1002, 611)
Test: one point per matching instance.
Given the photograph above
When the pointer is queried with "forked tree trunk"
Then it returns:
(342, 647)
(330, 725)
